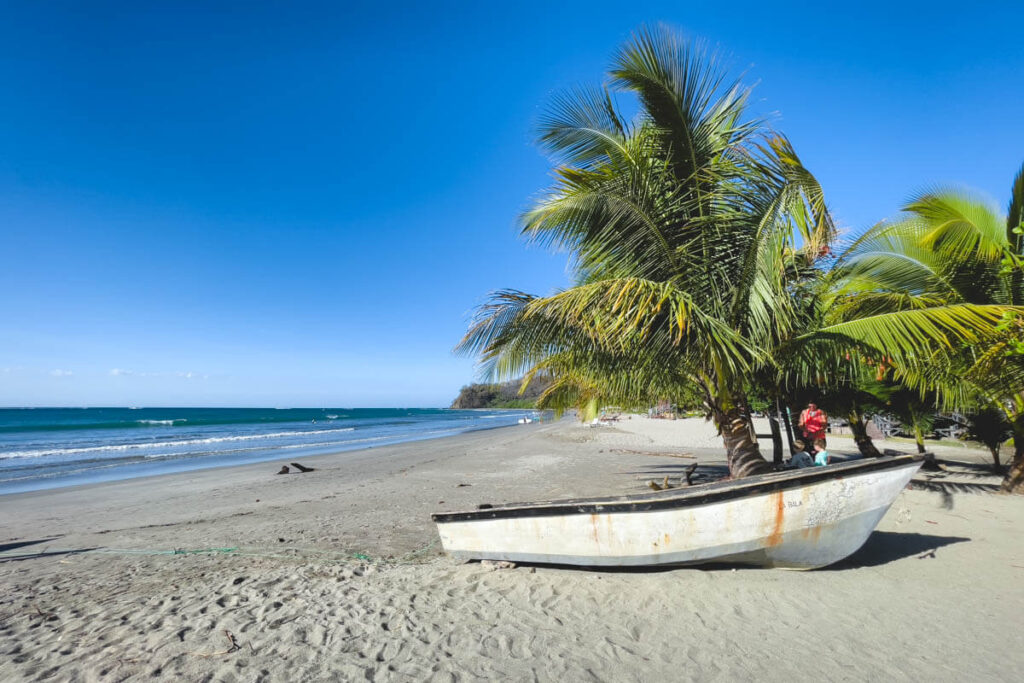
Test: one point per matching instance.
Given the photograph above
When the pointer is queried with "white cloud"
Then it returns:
(57, 372)
(192, 375)
(119, 372)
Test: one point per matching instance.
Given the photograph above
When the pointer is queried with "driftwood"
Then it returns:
(630, 451)
(235, 647)
(298, 468)
(497, 564)
(47, 616)
(664, 485)
(660, 487)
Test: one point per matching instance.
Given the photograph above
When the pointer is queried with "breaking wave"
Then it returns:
(173, 443)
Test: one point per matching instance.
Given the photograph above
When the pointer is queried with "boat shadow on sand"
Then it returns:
(883, 547)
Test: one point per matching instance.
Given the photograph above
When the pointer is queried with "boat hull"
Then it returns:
(798, 520)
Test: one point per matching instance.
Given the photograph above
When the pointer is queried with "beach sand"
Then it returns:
(338, 574)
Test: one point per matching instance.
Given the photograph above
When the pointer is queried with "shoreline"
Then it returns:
(181, 494)
(338, 573)
(260, 465)
(184, 465)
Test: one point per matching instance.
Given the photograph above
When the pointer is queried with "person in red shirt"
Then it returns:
(813, 422)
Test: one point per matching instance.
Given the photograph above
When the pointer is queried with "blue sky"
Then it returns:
(299, 204)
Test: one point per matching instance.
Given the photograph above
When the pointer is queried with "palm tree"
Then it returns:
(914, 410)
(691, 228)
(950, 249)
(683, 224)
(988, 425)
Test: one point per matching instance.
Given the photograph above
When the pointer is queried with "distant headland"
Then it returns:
(502, 395)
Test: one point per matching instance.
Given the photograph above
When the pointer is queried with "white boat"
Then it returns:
(797, 519)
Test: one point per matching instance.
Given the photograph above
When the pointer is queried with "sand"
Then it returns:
(338, 575)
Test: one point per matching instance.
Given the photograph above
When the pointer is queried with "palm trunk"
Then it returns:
(994, 450)
(741, 448)
(789, 427)
(859, 429)
(919, 437)
(773, 422)
(917, 421)
(1014, 480)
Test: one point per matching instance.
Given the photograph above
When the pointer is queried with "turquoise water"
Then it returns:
(52, 447)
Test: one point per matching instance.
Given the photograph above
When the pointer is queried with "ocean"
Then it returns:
(44, 448)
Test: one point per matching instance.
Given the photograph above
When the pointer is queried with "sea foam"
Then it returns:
(164, 444)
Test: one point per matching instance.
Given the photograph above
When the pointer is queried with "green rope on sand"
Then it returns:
(119, 551)
(418, 552)
(176, 551)
(302, 553)
(201, 551)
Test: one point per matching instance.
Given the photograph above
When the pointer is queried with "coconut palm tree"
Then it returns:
(683, 223)
(690, 226)
(950, 248)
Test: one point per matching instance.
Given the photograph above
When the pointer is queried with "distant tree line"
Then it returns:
(502, 395)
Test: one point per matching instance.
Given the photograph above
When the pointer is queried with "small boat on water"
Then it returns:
(796, 519)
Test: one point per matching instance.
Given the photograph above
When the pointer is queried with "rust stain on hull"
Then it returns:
(775, 537)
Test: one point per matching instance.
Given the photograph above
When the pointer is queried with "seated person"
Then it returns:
(800, 456)
(821, 456)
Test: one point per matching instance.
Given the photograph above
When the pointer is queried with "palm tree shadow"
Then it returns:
(10, 556)
(940, 486)
(705, 473)
(948, 488)
(964, 468)
(50, 553)
(883, 547)
(5, 547)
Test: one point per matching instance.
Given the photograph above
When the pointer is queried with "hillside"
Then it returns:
(503, 395)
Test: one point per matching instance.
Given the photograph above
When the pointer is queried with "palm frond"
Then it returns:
(581, 127)
(960, 223)
(915, 334)
(686, 94)
(1015, 214)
